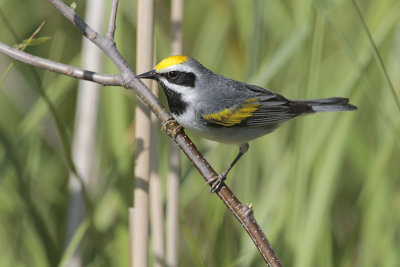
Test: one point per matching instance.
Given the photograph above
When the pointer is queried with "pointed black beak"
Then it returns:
(147, 75)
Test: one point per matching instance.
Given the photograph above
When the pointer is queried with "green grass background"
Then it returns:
(325, 188)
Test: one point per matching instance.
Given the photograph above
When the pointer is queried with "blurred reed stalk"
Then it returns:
(144, 61)
(83, 151)
(156, 200)
(174, 166)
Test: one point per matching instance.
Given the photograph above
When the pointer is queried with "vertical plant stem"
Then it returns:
(156, 201)
(85, 130)
(173, 206)
(139, 250)
(174, 171)
(131, 213)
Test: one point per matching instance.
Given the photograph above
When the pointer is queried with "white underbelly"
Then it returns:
(228, 135)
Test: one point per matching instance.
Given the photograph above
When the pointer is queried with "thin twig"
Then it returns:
(34, 34)
(242, 212)
(75, 72)
(21, 46)
(111, 24)
(129, 81)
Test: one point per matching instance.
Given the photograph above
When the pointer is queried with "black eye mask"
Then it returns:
(180, 78)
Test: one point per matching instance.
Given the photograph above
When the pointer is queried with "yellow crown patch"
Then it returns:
(170, 61)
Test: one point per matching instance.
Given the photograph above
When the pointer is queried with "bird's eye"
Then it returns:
(173, 74)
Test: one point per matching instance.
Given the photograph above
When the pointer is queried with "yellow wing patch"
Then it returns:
(232, 116)
(170, 61)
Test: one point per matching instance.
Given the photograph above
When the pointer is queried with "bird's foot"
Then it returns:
(216, 182)
(171, 127)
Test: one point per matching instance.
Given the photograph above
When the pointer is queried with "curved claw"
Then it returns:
(216, 182)
(171, 127)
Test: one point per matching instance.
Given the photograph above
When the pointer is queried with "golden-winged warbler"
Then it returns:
(228, 111)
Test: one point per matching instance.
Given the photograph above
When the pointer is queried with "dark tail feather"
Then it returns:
(329, 104)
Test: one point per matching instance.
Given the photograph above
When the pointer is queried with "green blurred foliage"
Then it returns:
(325, 188)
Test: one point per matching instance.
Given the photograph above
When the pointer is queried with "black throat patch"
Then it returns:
(175, 102)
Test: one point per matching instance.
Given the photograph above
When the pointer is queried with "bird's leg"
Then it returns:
(216, 182)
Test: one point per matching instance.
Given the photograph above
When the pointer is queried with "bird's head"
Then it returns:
(179, 74)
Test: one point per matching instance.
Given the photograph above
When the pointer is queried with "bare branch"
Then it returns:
(106, 45)
(242, 212)
(129, 81)
(111, 24)
(71, 15)
(104, 79)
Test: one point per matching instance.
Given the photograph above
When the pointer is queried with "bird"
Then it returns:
(228, 111)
